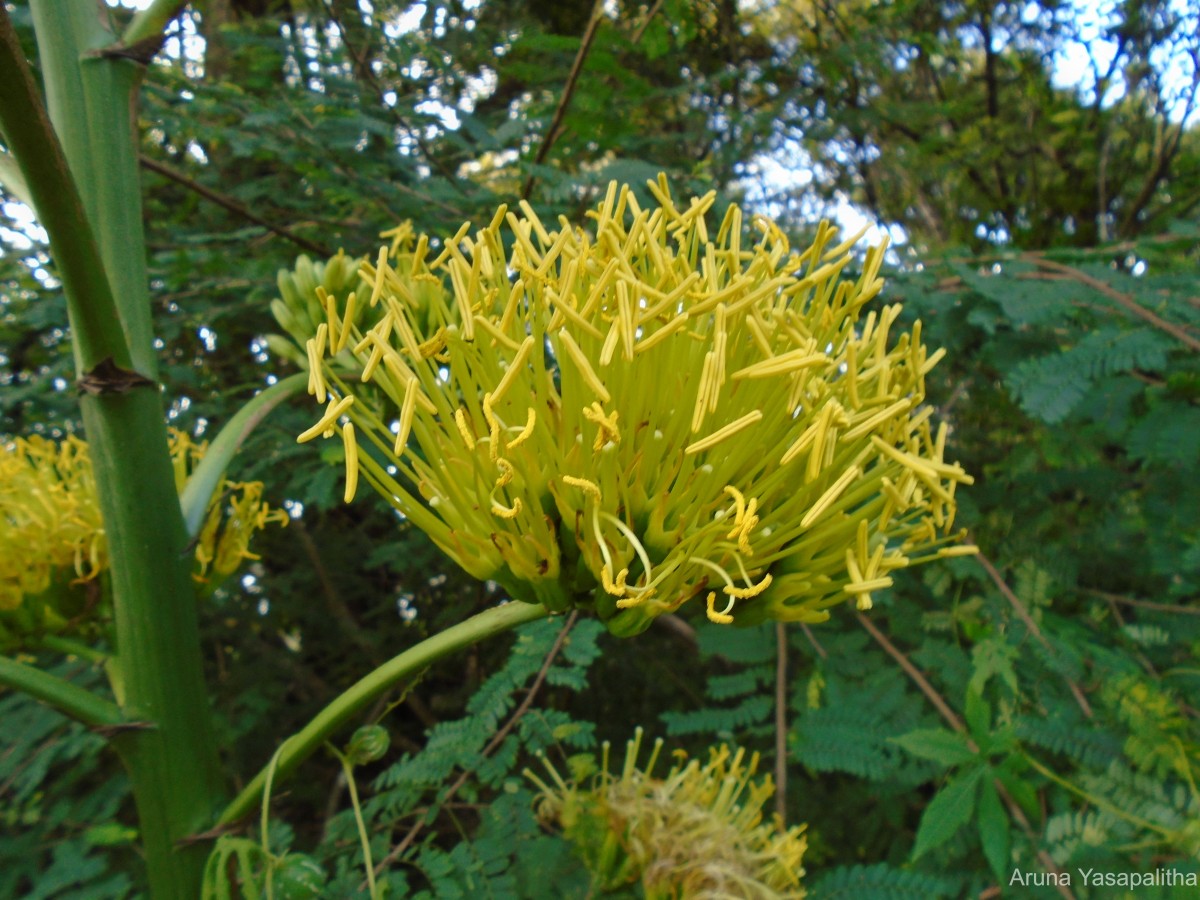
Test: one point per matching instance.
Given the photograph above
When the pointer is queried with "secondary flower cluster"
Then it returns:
(52, 544)
(697, 832)
(639, 413)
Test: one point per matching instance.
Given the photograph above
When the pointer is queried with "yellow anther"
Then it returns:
(506, 512)
(721, 434)
(616, 588)
(351, 447)
(752, 590)
(585, 485)
(506, 472)
(460, 419)
(332, 414)
(608, 430)
(720, 618)
(527, 431)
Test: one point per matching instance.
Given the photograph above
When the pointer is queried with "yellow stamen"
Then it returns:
(407, 412)
(506, 512)
(717, 436)
(347, 324)
(752, 590)
(380, 267)
(617, 587)
(585, 368)
(460, 419)
(720, 618)
(326, 422)
(583, 484)
(351, 447)
(524, 434)
(515, 368)
(506, 472)
(830, 496)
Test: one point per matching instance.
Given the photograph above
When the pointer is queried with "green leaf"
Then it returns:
(939, 745)
(947, 812)
(994, 830)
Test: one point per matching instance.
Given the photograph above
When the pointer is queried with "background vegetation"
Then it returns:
(1034, 709)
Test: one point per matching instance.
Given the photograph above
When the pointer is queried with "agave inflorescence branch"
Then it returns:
(638, 413)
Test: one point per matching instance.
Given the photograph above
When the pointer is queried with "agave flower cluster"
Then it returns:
(641, 412)
(697, 832)
(53, 550)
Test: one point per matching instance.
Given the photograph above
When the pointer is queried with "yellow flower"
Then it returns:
(698, 832)
(52, 544)
(638, 413)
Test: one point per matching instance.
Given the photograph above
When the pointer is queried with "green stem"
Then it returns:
(68, 647)
(364, 837)
(69, 699)
(207, 475)
(149, 25)
(32, 141)
(305, 742)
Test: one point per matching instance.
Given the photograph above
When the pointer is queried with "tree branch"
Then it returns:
(568, 91)
(233, 206)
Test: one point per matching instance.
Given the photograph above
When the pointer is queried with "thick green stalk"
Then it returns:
(408, 664)
(173, 763)
(173, 766)
(69, 699)
(90, 98)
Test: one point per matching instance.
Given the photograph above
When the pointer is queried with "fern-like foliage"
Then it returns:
(882, 882)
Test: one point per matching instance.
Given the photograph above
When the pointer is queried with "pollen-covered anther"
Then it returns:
(507, 512)
(585, 485)
(460, 421)
(752, 591)
(615, 587)
(720, 618)
(524, 434)
(607, 425)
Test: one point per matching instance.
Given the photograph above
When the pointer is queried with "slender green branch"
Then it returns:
(147, 30)
(204, 480)
(34, 145)
(69, 699)
(305, 742)
(69, 647)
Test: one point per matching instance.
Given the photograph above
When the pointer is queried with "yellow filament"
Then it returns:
(617, 587)
(316, 377)
(524, 434)
(493, 426)
(830, 496)
(347, 324)
(326, 422)
(506, 512)
(514, 368)
(351, 447)
(801, 358)
(752, 590)
(506, 472)
(380, 267)
(720, 618)
(584, 484)
(407, 412)
(460, 419)
(584, 367)
(721, 434)
(878, 418)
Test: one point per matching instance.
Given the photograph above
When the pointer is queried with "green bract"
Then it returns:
(631, 415)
